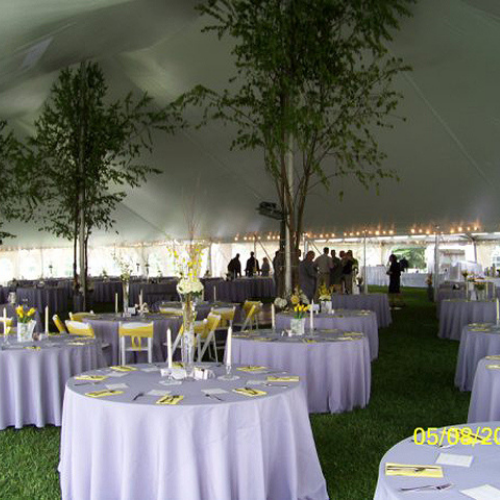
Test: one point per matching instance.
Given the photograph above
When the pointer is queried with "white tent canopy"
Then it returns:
(447, 153)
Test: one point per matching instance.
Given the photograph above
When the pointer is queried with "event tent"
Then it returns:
(446, 152)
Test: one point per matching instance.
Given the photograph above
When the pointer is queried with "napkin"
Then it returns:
(309, 341)
(123, 368)
(493, 367)
(495, 357)
(392, 469)
(103, 393)
(214, 391)
(33, 348)
(251, 369)
(76, 343)
(283, 378)
(454, 459)
(479, 329)
(485, 492)
(94, 378)
(113, 387)
(157, 392)
(169, 400)
(246, 391)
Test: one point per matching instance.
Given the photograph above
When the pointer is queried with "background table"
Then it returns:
(342, 319)
(240, 289)
(377, 302)
(54, 297)
(484, 470)
(485, 399)
(106, 329)
(455, 314)
(478, 340)
(32, 381)
(336, 373)
(106, 290)
(240, 448)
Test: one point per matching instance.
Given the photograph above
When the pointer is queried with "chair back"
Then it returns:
(7, 324)
(226, 315)
(212, 323)
(171, 311)
(79, 328)
(136, 331)
(59, 324)
(80, 316)
(253, 308)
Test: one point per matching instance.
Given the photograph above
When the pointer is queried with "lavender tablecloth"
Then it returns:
(153, 292)
(105, 291)
(377, 302)
(336, 372)
(342, 319)
(478, 340)
(201, 449)
(106, 329)
(32, 381)
(485, 398)
(455, 314)
(240, 289)
(54, 297)
(11, 313)
(483, 470)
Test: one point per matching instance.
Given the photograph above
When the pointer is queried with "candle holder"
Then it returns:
(228, 375)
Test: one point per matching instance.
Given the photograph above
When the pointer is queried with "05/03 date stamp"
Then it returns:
(450, 436)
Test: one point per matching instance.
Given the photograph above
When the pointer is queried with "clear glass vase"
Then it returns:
(297, 326)
(125, 289)
(188, 337)
(25, 331)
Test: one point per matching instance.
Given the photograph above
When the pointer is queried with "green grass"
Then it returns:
(412, 386)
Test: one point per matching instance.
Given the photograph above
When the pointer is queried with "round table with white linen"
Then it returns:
(334, 365)
(33, 376)
(214, 444)
(478, 340)
(485, 398)
(377, 302)
(342, 319)
(105, 327)
(457, 313)
(456, 480)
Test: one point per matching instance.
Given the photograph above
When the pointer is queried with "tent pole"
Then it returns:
(365, 284)
(290, 215)
(436, 265)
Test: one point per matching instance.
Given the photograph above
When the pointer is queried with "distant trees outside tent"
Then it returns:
(414, 255)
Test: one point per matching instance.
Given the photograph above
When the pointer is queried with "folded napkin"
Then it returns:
(77, 343)
(246, 391)
(493, 356)
(102, 394)
(392, 469)
(480, 330)
(251, 369)
(33, 348)
(123, 368)
(493, 367)
(309, 341)
(283, 378)
(169, 400)
(94, 378)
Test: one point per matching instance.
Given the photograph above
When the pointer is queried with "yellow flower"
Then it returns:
(20, 311)
(295, 299)
(31, 311)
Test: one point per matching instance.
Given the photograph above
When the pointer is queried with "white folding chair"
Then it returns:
(135, 332)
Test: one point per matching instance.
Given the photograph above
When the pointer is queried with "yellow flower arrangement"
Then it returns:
(300, 310)
(23, 316)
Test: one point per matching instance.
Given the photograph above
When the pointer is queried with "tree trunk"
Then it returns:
(81, 168)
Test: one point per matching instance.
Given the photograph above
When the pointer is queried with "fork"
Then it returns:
(212, 396)
(137, 396)
(437, 487)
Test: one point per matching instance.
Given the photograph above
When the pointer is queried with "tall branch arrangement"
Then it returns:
(86, 150)
(312, 81)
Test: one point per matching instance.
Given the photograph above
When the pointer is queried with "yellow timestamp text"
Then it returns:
(450, 436)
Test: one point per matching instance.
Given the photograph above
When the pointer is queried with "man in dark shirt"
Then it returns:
(252, 265)
(234, 267)
(336, 273)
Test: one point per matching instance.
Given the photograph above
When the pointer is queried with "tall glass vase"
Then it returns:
(125, 288)
(188, 337)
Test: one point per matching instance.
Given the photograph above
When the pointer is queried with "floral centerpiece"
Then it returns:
(480, 288)
(25, 324)
(325, 298)
(190, 289)
(125, 273)
(465, 273)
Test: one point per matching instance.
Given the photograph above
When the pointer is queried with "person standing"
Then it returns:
(266, 268)
(308, 275)
(336, 274)
(347, 273)
(252, 266)
(234, 267)
(394, 273)
(324, 265)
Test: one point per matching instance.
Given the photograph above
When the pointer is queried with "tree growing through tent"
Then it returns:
(86, 151)
(312, 82)
(18, 193)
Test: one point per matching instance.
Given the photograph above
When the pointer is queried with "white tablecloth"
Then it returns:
(342, 319)
(455, 314)
(336, 373)
(201, 449)
(483, 470)
(485, 397)
(478, 340)
(377, 302)
(32, 381)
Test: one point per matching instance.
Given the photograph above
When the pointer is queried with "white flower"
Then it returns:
(280, 303)
(189, 285)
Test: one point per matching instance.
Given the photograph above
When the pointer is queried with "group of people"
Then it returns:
(252, 267)
(328, 270)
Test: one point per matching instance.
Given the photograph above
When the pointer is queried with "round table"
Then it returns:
(485, 398)
(106, 329)
(483, 470)
(33, 376)
(457, 313)
(335, 365)
(342, 319)
(478, 340)
(377, 302)
(54, 297)
(219, 447)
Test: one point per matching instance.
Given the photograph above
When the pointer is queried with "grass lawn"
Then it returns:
(412, 386)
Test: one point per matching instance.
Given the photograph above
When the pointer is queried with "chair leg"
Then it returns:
(215, 350)
(150, 351)
(122, 351)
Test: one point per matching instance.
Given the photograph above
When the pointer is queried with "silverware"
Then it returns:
(429, 487)
(138, 396)
(212, 396)
(269, 384)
